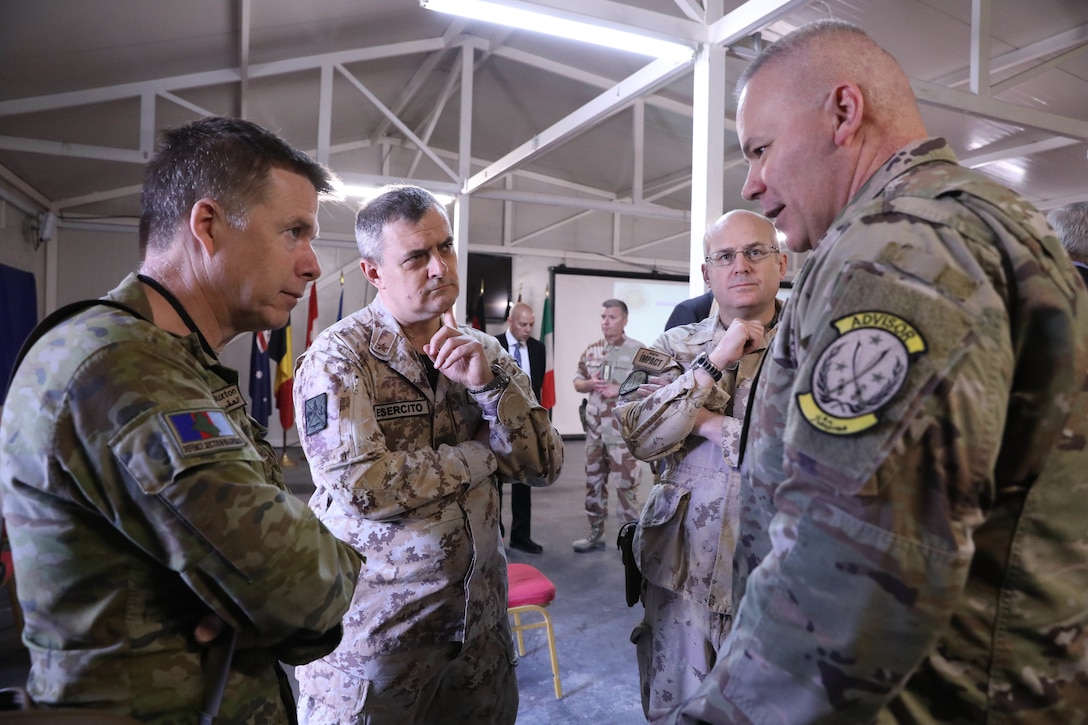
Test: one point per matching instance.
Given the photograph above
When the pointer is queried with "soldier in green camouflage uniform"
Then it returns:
(408, 419)
(912, 548)
(603, 366)
(144, 506)
(690, 431)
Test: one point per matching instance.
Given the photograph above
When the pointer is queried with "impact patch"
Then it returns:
(651, 360)
(316, 413)
(860, 371)
(203, 431)
(406, 409)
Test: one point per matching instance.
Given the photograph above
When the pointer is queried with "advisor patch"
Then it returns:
(860, 371)
(202, 431)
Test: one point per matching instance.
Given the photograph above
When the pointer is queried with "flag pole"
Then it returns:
(285, 460)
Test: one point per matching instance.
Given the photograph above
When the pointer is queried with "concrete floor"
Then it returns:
(592, 622)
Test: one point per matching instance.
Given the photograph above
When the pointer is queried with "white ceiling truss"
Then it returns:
(458, 54)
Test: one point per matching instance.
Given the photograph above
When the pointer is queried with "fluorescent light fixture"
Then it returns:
(542, 22)
(357, 191)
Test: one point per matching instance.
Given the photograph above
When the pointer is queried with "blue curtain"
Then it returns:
(18, 315)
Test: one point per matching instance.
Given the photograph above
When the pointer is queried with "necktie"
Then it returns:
(517, 353)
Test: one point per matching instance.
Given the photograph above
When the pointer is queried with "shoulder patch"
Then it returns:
(860, 371)
(316, 412)
(202, 431)
(651, 360)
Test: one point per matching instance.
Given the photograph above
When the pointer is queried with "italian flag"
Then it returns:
(547, 391)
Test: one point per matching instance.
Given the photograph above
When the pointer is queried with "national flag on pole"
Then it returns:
(340, 307)
(311, 318)
(478, 310)
(260, 385)
(279, 350)
(547, 391)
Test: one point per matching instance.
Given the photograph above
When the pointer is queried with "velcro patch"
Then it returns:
(860, 372)
(229, 398)
(405, 409)
(203, 431)
(316, 413)
(651, 360)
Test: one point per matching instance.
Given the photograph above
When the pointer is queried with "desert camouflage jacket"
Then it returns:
(139, 497)
(613, 363)
(913, 544)
(687, 531)
(401, 475)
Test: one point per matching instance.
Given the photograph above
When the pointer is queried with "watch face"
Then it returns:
(635, 379)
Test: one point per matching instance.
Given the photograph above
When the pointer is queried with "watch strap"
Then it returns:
(702, 360)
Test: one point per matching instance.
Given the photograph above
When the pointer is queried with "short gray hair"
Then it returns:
(1071, 224)
(392, 204)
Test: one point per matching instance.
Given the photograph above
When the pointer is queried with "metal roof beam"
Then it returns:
(653, 76)
(1022, 116)
(211, 78)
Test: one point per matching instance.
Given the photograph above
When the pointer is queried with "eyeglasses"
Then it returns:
(754, 254)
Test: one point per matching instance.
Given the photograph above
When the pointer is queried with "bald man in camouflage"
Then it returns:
(912, 544)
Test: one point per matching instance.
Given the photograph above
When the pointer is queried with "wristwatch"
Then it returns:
(703, 361)
(501, 380)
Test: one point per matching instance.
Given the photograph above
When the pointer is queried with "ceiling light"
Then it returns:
(542, 22)
(360, 191)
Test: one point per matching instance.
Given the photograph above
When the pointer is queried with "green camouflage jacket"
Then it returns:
(913, 544)
(139, 497)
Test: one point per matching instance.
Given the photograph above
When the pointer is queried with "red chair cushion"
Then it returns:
(528, 586)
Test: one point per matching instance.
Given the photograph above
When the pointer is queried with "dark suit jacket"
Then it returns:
(695, 309)
(537, 361)
(1083, 269)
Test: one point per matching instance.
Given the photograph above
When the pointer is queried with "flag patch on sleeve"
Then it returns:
(203, 431)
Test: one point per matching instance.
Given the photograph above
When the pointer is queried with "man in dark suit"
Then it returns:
(1071, 224)
(695, 309)
(529, 353)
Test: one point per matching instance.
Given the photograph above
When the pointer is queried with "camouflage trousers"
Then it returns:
(676, 645)
(601, 460)
(474, 684)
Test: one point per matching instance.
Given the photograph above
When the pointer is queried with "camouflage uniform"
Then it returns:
(605, 450)
(686, 535)
(400, 475)
(139, 497)
(911, 549)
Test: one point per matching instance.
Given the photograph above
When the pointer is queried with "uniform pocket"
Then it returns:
(660, 545)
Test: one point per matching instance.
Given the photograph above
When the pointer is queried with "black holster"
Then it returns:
(632, 577)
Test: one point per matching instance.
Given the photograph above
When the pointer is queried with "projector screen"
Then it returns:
(577, 296)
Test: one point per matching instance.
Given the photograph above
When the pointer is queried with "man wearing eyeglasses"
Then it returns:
(687, 424)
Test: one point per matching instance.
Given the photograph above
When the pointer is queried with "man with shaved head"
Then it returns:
(909, 546)
(688, 425)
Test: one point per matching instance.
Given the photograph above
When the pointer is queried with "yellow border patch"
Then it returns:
(860, 371)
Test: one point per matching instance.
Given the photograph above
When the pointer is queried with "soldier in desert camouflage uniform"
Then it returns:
(690, 430)
(407, 420)
(603, 366)
(144, 506)
(912, 548)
